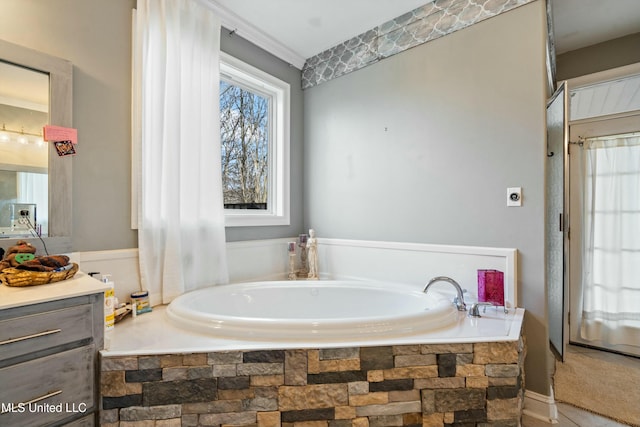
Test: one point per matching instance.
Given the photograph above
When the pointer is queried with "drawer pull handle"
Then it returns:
(28, 337)
(35, 400)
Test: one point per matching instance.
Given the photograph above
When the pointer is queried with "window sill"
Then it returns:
(245, 219)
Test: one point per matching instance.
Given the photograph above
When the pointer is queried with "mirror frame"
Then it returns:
(60, 73)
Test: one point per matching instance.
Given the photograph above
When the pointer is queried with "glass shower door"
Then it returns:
(557, 140)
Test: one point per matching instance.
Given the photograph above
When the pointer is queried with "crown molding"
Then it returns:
(239, 26)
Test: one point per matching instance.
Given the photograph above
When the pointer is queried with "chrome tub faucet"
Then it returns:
(459, 300)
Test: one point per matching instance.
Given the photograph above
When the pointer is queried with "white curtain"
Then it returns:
(181, 233)
(611, 241)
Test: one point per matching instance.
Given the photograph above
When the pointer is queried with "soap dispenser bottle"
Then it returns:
(109, 303)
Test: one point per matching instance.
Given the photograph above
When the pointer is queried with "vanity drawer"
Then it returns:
(49, 389)
(32, 333)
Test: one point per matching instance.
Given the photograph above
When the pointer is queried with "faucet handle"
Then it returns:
(460, 304)
(474, 311)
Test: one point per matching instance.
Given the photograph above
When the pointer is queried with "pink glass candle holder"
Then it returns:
(491, 286)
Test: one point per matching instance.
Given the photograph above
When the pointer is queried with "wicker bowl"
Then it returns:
(16, 277)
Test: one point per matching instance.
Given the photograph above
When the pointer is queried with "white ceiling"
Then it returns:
(581, 23)
(308, 27)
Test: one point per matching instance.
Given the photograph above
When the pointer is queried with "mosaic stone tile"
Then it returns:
(373, 398)
(447, 365)
(308, 415)
(459, 399)
(339, 353)
(148, 362)
(234, 418)
(486, 353)
(502, 370)
(337, 377)
(119, 363)
(138, 413)
(319, 396)
(168, 374)
(470, 416)
(502, 392)
(199, 372)
(394, 408)
(423, 24)
(268, 356)
(503, 409)
(434, 383)
(389, 385)
(143, 375)
(372, 358)
(164, 393)
(112, 384)
(122, 401)
(260, 404)
(234, 383)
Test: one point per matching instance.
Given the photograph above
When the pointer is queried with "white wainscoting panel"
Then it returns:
(416, 263)
(255, 260)
(121, 264)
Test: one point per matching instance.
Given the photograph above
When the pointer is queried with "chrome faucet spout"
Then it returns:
(459, 300)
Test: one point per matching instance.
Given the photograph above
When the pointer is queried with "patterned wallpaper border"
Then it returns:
(426, 23)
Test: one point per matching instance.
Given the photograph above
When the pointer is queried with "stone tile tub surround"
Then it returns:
(479, 384)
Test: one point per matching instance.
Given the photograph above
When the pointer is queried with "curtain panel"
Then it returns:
(181, 232)
(611, 240)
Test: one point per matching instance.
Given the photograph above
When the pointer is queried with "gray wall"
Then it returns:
(599, 57)
(464, 119)
(421, 147)
(95, 35)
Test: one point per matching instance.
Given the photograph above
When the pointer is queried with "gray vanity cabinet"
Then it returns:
(48, 362)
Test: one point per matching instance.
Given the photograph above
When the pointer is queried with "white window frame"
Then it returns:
(278, 203)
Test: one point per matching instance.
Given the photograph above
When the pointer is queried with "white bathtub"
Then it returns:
(312, 311)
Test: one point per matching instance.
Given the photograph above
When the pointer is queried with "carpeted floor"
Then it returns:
(600, 382)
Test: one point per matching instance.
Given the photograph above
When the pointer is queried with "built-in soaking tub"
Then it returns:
(327, 353)
(312, 310)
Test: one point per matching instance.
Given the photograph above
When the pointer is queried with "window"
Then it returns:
(254, 133)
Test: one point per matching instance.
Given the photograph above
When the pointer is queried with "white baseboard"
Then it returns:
(540, 407)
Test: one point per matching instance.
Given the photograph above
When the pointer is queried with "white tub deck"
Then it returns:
(153, 333)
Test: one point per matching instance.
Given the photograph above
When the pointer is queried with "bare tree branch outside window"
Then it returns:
(244, 132)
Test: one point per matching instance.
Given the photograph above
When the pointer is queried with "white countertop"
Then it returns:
(80, 284)
(153, 333)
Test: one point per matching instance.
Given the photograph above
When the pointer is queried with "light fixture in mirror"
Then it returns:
(24, 158)
(28, 165)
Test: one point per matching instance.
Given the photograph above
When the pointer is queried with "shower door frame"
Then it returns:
(557, 215)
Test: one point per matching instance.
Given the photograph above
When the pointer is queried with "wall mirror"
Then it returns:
(35, 183)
